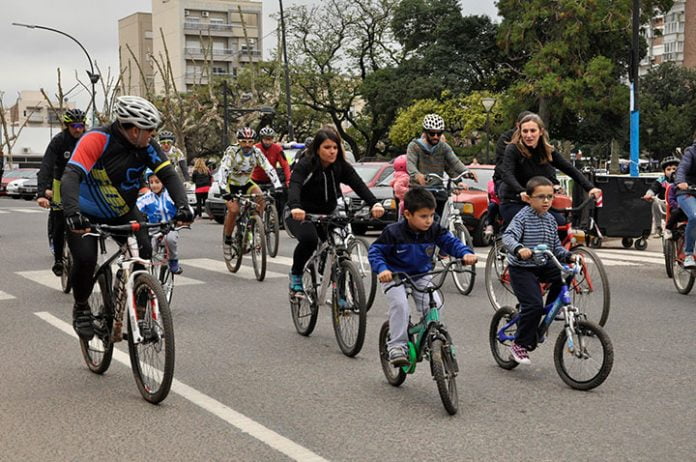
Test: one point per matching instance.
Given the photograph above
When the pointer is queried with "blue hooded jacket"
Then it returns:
(400, 249)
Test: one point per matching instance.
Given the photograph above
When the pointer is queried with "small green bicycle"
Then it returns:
(428, 339)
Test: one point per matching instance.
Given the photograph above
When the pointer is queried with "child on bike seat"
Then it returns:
(531, 227)
(159, 208)
(408, 247)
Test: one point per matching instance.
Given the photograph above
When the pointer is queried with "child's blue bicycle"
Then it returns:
(583, 354)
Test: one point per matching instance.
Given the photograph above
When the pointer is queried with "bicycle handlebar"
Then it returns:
(132, 227)
(584, 204)
(399, 279)
(466, 174)
(328, 218)
(542, 249)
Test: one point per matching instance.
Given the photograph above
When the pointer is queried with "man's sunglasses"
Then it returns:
(434, 133)
(77, 125)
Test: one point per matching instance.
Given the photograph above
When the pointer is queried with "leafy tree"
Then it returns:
(668, 98)
(573, 55)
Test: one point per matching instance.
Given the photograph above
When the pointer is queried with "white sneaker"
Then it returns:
(667, 234)
(689, 262)
(488, 230)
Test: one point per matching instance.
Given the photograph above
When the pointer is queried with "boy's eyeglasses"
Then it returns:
(543, 197)
(434, 134)
(77, 125)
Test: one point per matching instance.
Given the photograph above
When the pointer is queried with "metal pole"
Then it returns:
(488, 137)
(635, 108)
(94, 78)
(291, 130)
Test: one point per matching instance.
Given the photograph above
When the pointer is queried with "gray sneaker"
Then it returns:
(398, 358)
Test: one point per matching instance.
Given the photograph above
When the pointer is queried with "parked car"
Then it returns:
(27, 190)
(11, 175)
(24, 175)
(472, 203)
(371, 173)
(362, 219)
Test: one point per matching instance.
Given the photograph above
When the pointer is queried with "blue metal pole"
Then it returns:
(635, 137)
(635, 106)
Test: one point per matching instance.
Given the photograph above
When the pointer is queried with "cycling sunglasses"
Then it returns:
(434, 133)
(77, 125)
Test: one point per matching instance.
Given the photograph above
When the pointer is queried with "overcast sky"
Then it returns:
(29, 57)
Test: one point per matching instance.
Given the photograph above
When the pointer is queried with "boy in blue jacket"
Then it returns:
(408, 247)
(159, 207)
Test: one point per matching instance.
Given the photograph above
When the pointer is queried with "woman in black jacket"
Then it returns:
(315, 185)
(530, 154)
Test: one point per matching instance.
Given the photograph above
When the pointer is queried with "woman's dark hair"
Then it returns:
(418, 198)
(325, 133)
(536, 181)
(543, 151)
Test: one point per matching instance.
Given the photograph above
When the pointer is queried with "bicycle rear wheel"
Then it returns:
(65, 280)
(97, 352)
(257, 247)
(499, 348)
(348, 309)
(444, 375)
(166, 279)
(668, 250)
(305, 309)
(497, 278)
(590, 288)
(463, 276)
(272, 228)
(395, 375)
(585, 362)
(358, 249)
(682, 278)
(152, 360)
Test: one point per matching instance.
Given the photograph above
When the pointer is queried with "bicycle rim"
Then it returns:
(152, 360)
(500, 349)
(588, 363)
(348, 309)
(668, 250)
(98, 351)
(272, 230)
(682, 278)
(590, 288)
(304, 309)
(258, 248)
(445, 376)
(358, 250)
(497, 279)
(166, 278)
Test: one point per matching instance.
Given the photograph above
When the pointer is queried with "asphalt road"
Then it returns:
(249, 388)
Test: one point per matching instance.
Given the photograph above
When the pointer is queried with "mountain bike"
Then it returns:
(590, 290)
(138, 295)
(464, 277)
(428, 339)
(249, 237)
(583, 354)
(160, 259)
(331, 267)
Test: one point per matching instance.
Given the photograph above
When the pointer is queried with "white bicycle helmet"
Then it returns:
(137, 111)
(433, 122)
(267, 132)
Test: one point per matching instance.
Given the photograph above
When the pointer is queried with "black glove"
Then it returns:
(184, 215)
(278, 190)
(77, 222)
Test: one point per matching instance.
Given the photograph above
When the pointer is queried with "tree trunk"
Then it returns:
(614, 164)
(545, 110)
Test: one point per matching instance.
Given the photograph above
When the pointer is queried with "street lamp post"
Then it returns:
(291, 130)
(488, 104)
(93, 77)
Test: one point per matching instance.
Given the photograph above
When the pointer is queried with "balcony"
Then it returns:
(212, 28)
(249, 55)
(219, 54)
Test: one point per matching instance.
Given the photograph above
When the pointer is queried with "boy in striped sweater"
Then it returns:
(532, 226)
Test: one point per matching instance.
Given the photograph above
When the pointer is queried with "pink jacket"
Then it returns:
(492, 196)
(400, 184)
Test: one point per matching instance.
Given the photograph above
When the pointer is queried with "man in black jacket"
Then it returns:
(48, 182)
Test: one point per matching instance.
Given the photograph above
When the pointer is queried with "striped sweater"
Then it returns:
(529, 229)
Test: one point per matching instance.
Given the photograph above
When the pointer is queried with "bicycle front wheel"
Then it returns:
(97, 352)
(464, 277)
(304, 308)
(152, 360)
(348, 309)
(232, 253)
(65, 281)
(444, 374)
(272, 228)
(500, 340)
(585, 361)
(358, 249)
(497, 278)
(590, 288)
(258, 247)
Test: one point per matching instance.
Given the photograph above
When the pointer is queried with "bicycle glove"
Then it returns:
(184, 215)
(77, 222)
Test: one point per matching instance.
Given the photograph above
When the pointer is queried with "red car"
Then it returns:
(371, 173)
(473, 203)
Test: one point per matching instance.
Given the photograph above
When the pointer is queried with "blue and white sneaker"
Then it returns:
(689, 262)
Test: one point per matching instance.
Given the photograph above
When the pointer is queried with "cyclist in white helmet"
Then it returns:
(100, 185)
(429, 154)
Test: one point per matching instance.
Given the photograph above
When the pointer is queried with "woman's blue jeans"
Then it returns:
(688, 205)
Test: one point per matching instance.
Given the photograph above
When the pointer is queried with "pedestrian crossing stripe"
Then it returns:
(219, 266)
(618, 255)
(48, 279)
(22, 210)
(6, 296)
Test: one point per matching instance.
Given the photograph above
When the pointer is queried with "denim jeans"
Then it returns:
(688, 205)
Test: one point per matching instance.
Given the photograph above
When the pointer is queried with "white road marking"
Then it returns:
(205, 402)
(629, 252)
(6, 296)
(48, 279)
(245, 272)
(604, 255)
(4, 211)
(30, 210)
(610, 262)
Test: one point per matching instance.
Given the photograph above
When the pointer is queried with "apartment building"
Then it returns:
(671, 37)
(135, 48)
(31, 107)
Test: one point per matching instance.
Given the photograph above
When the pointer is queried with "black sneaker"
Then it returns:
(82, 321)
(57, 268)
